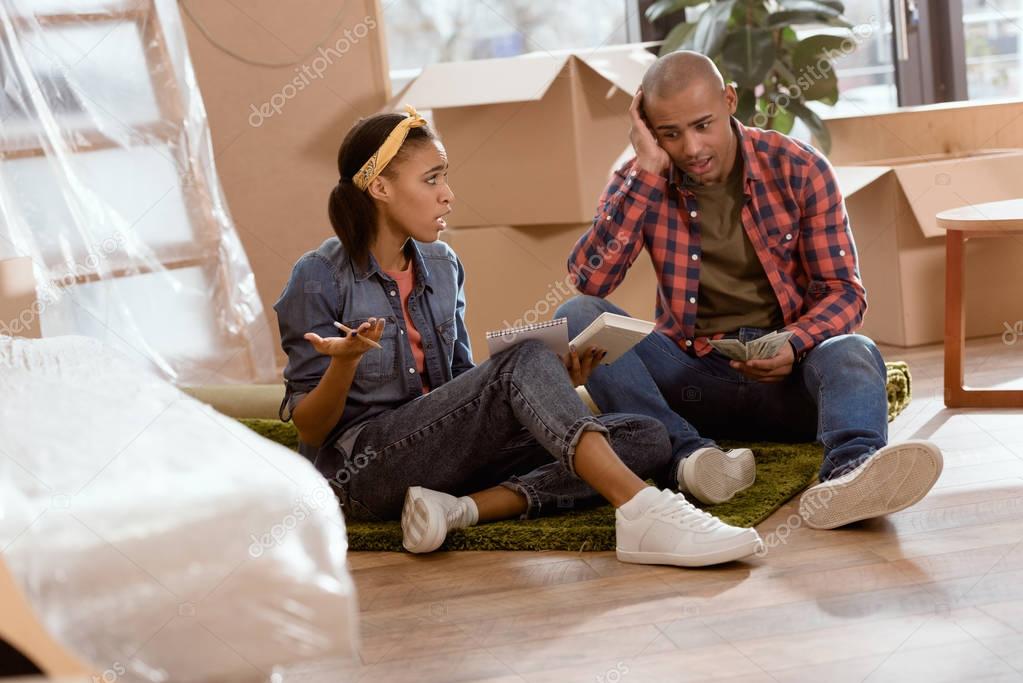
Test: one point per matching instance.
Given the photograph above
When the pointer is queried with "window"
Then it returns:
(994, 48)
(420, 33)
(866, 76)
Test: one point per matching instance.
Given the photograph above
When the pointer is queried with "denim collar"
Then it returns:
(422, 273)
(751, 167)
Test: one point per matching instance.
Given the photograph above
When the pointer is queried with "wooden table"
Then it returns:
(993, 219)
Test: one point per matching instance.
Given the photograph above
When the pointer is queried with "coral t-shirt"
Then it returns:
(406, 281)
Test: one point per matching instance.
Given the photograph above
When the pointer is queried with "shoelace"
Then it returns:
(678, 508)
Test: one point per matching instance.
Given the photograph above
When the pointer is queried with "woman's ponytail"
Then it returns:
(354, 218)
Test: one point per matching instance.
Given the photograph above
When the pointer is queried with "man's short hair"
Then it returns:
(676, 71)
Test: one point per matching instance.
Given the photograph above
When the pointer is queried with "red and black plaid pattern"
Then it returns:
(794, 216)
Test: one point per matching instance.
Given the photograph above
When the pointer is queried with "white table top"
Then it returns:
(992, 216)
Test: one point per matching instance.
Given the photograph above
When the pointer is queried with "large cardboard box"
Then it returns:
(276, 131)
(519, 275)
(892, 203)
(531, 138)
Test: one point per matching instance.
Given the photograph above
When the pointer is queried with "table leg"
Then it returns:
(955, 332)
(957, 395)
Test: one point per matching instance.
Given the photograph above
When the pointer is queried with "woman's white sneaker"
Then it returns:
(670, 530)
(890, 480)
(429, 515)
(714, 476)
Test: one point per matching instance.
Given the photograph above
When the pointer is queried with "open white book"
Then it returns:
(615, 333)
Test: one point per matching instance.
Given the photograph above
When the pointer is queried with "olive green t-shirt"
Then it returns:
(734, 290)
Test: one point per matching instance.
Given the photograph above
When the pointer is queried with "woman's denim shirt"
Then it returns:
(327, 286)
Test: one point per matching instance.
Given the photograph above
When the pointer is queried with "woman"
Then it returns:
(397, 416)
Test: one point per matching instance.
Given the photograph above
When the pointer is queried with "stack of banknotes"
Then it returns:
(767, 346)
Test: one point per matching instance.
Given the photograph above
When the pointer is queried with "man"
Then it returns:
(748, 234)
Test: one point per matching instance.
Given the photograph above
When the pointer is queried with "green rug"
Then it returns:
(783, 470)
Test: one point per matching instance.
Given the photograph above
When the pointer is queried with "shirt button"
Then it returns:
(607, 217)
(841, 252)
(633, 174)
(402, 331)
(692, 214)
(692, 299)
(788, 236)
(689, 342)
(695, 256)
(394, 293)
(411, 371)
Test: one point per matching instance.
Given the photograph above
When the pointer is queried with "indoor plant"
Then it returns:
(754, 44)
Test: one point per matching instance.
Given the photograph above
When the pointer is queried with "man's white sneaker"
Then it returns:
(428, 516)
(890, 480)
(713, 476)
(669, 530)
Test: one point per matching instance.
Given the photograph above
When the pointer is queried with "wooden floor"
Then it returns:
(932, 593)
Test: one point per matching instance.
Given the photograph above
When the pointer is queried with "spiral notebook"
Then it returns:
(616, 334)
(554, 334)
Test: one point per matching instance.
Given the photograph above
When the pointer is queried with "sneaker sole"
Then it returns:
(745, 548)
(896, 479)
(418, 535)
(717, 476)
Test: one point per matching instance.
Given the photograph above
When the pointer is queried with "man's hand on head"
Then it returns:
(769, 369)
(649, 155)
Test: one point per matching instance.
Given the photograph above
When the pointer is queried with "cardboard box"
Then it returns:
(519, 275)
(530, 139)
(19, 306)
(892, 202)
(276, 131)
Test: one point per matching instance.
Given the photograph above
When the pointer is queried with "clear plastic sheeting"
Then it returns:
(155, 538)
(107, 183)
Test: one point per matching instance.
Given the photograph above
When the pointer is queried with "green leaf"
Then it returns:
(814, 123)
(817, 84)
(783, 120)
(815, 72)
(809, 50)
(747, 106)
(711, 29)
(663, 8)
(676, 37)
(789, 39)
(813, 13)
(831, 99)
(748, 55)
(776, 115)
(803, 4)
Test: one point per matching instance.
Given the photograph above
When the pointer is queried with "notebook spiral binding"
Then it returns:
(512, 331)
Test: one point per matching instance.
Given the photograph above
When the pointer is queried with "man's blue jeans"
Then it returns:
(836, 395)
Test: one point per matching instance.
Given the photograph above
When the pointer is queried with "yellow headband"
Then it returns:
(376, 163)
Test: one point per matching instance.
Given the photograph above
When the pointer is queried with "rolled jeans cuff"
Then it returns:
(575, 432)
(526, 491)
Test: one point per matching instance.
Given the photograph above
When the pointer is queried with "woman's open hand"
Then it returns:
(352, 346)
